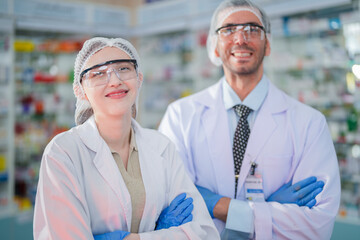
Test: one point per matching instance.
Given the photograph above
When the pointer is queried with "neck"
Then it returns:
(115, 130)
(243, 84)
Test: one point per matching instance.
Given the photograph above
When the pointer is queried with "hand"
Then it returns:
(117, 235)
(302, 193)
(210, 198)
(177, 213)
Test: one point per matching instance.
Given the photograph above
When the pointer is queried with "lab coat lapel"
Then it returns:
(215, 122)
(106, 165)
(149, 156)
(263, 128)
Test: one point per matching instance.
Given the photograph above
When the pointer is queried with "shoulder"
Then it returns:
(64, 142)
(305, 111)
(197, 100)
(150, 137)
(153, 136)
(298, 110)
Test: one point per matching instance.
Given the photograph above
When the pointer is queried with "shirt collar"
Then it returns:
(254, 100)
(132, 140)
(133, 146)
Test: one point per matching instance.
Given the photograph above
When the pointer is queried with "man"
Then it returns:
(244, 141)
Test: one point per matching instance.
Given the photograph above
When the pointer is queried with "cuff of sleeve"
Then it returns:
(240, 217)
(262, 219)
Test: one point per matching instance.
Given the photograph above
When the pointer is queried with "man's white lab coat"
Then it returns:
(288, 140)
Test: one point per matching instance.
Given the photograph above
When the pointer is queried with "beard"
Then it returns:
(249, 70)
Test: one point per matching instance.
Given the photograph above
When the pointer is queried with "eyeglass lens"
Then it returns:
(101, 75)
(249, 32)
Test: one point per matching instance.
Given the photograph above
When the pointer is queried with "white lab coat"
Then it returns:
(81, 191)
(288, 140)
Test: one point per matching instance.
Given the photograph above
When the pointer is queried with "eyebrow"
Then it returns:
(235, 24)
(108, 62)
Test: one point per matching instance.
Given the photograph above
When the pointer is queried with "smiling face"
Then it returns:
(115, 98)
(239, 56)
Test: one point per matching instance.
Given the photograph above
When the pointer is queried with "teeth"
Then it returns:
(114, 94)
(242, 54)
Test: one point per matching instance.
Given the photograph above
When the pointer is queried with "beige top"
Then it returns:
(134, 182)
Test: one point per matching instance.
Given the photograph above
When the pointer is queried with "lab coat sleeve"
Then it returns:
(60, 209)
(239, 227)
(172, 127)
(289, 221)
(202, 226)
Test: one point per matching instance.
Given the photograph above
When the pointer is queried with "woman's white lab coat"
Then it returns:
(288, 140)
(81, 191)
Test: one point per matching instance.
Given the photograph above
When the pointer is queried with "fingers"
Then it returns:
(303, 183)
(188, 219)
(304, 201)
(178, 200)
(311, 203)
(286, 185)
(310, 189)
(177, 216)
(182, 206)
(283, 187)
(274, 196)
(316, 192)
(186, 213)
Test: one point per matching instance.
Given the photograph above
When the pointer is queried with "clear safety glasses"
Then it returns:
(124, 69)
(250, 31)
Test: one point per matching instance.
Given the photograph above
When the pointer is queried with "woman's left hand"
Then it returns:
(177, 213)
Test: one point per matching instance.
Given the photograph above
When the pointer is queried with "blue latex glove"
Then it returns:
(302, 193)
(210, 198)
(117, 235)
(177, 213)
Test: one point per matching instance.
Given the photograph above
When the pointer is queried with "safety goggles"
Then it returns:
(124, 69)
(250, 31)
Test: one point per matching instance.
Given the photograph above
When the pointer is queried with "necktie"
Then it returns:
(241, 137)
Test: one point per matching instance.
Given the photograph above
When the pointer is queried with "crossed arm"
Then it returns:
(302, 193)
(180, 209)
(177, 213)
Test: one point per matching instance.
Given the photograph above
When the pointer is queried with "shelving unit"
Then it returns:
(175, 65)
(44, 103)
(6, 118)
(36, 103)
(37, 100)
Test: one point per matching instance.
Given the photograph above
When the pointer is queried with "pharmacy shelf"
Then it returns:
(4, 177)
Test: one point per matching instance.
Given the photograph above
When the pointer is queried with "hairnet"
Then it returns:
(224, 10)
(83, 108)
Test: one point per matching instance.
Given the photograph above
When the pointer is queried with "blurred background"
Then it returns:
(315, 58)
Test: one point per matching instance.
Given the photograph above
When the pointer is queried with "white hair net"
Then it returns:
(224, 10)
(83, 108)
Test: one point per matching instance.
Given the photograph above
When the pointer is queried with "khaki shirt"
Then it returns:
(134, 182)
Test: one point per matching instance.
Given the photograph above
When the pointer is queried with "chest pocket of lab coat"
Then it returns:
(276, 158)
(275, 171)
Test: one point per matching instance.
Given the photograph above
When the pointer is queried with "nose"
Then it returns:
(240, 38)
(113, 79)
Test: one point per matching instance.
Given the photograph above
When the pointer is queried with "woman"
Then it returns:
(108, 175)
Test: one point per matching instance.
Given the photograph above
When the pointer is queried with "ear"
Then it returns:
(141, 77)
(80, 92)
(216, 52)
(268, 47)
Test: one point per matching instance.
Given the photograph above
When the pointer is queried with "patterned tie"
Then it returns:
(241, 137)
